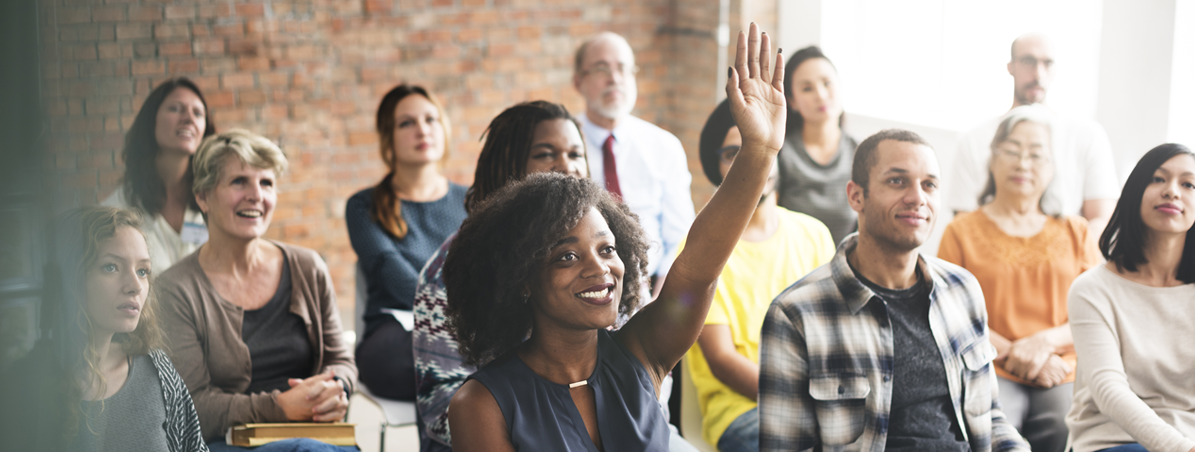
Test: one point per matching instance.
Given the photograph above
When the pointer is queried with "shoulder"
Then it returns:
(816, 288)
(951, 273)
(644, 129)
(304, 258)
(1075, 224)
(456, 190)
(363, 197)
(182, 274)
(965, 222)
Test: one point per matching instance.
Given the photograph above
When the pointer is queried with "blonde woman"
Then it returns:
(98, 380)
(254, 328)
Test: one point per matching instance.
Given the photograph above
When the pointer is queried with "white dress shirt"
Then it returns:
(1083, 165)
(653, 174)
(166, 246)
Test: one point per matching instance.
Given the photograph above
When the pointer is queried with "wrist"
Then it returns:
(344, 384)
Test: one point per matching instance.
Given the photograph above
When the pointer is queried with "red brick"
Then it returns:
(251, 97)
(133, 30)
(250, 9)
(145, 12)
(148, 67)
(112, 13)
(187, 66)
(180, 11)
(217, 98)
(174, 48)
(208, 46)
(80, 52)
(377, 6)
(233, 81)
(242, 47)
(145, 50)
(172, 30)
(233, 29)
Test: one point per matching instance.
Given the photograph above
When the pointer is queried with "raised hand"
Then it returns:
(755, 88)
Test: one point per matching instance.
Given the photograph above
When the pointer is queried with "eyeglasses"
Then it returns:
(1032, 62)
(606, 71)
(728, 153)
(1035, 158)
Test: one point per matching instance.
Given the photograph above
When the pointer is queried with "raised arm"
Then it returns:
(661, 333)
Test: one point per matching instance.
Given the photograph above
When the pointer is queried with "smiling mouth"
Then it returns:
(185, 133)
(251, 213)
(598, 294)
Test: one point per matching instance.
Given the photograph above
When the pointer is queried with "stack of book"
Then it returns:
(252, 435)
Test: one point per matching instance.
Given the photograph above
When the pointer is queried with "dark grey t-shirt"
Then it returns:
(922, 416)
(818, 190)
(132, 419)
(277, 339)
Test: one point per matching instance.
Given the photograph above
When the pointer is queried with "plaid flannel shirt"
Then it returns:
(826, 361)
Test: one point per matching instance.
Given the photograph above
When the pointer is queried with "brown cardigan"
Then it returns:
(203, 332)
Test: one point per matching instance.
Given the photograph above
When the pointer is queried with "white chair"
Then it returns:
(392, 420)
(690, 412)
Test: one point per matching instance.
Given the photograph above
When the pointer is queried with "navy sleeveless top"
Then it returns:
(540, 415)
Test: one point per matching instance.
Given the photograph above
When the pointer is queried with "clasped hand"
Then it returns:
(319, 398)
(1035, 360)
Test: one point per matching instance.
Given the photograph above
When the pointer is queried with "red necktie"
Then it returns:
(609, 169)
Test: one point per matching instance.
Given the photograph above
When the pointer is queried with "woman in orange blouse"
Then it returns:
(1025, 256)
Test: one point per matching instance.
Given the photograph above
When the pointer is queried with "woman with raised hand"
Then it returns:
(540, 271)
(1025, 255)
(254, 327)
(528, 138)
(1132, 317)
(815, 162)
(157, 180)
(395, 227)
(99, 379)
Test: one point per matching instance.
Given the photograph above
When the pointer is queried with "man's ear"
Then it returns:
(577, 81)
(1009, 67)
(855, 194)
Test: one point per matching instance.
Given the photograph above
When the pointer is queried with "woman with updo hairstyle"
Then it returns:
(1025, 255)
(528, 138)
(98, 379)
(815, 163)
(254, 327)
(1132, 317)
(158, 148)
(542, 269)
(395, 226)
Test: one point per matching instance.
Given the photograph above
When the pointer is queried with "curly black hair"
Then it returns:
(500, 251)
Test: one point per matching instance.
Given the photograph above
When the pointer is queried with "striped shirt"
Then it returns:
(826, 361)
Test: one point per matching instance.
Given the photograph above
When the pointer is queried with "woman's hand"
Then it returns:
(319, 398)
(1028, 355)
(755, 87)
(1053, 373)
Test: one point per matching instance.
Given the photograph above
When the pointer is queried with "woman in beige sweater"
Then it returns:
(252, 323)
(1132, 317)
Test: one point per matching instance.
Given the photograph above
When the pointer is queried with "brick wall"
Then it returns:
(309, 74)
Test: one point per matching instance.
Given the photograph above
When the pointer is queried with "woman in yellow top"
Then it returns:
(1025, 257)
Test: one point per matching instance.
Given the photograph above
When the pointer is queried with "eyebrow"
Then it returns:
(903, 171)
(564, 241)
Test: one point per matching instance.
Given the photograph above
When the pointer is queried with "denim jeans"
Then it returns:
(286, 445)
(1132, 447)
(742, 435)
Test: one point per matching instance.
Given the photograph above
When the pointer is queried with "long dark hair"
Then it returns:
(387, 208)
(1123, 241)
(507, 147)
(143, 187)
(795, 122)
(500, 251)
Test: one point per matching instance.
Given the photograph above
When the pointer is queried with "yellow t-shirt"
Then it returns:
(755, 274)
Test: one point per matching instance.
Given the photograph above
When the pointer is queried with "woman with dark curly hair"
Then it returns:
(157, 181)
(538, 273)
(528, 138)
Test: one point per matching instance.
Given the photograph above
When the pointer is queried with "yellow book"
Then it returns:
(251, 435)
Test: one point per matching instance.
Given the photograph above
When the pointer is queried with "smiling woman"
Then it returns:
(255, 331)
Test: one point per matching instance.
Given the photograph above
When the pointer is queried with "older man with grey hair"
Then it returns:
(635, 160)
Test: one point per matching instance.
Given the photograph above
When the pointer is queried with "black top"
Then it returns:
(391, 266)
(541, 415)
(922, 414)
(277, 339)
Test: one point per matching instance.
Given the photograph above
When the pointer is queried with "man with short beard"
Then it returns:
(883, 349)
(635, 160)
(1085, 184)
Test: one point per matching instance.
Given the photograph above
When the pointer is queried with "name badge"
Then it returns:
(194, 233)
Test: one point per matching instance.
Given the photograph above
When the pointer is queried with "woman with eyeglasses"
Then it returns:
(1025, 256)
(815, 163)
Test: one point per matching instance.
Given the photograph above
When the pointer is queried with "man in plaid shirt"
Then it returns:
(883, 349)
